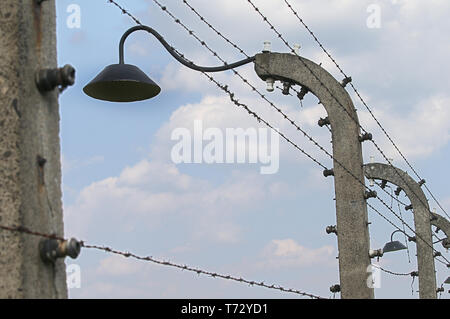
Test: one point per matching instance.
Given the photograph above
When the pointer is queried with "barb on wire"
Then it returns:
(127, 254)
(124, 11)
(362, 100)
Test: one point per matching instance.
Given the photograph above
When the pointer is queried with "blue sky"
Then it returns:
(122, 189)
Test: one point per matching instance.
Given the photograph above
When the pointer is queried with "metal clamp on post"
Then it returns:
(322, 122)
(346, 81)
(376, 253)
(331, 229)
(370, 194)
(52, 249)
(328, 172)
(365, 137)
(335, 288)
(49, 79)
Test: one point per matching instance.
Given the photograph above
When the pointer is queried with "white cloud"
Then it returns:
(424, 130)
(147, 193)
(286, 253)
(118, 266)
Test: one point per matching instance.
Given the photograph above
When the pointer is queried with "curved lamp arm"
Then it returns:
(172, 52)
(397, 231)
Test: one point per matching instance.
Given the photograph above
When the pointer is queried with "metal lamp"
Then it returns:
(127, 83)
(393, 245)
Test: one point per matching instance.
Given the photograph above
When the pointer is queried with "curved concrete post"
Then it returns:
(422, 224)
(443, 224)
(351, 209)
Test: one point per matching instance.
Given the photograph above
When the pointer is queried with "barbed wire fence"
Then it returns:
(183, 267)
(225, 88)
(235, 101)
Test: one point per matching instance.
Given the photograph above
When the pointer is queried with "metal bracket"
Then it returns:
(376, 253)
(335, 288)
(286, 88)
(328, 172)
(48, 79)
(365, 137)
(346, 81)
(331, 229)
(370, 194)
(322, 122)
(52, 249)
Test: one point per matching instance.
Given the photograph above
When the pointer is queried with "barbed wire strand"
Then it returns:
(21, 229)
(362, 101)
(392, 272)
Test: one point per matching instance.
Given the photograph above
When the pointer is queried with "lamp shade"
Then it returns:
(393, 246)
(122, 83)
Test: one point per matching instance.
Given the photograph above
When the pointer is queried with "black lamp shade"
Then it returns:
(393, 246)
(122, 83)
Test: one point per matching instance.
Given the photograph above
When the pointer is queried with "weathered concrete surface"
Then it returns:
(422, 225)
(351, 209)
(29, 127)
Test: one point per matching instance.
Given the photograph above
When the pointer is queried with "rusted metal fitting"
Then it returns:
(397, 191)
(365, 137)
(49, 79)
(331, 229)
(346, 81)
(409, 207)
(370, 194)
(376, 253)
(335, 288)
(328, 172)
(322, 122)
(303, 91)
(286, 88)
(52, 249)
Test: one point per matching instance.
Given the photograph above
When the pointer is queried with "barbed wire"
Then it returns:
(362, 100)
(394, 273)
(127, 254)
(202, 18)
(246, 81)
(280, 36)
(225, 89)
